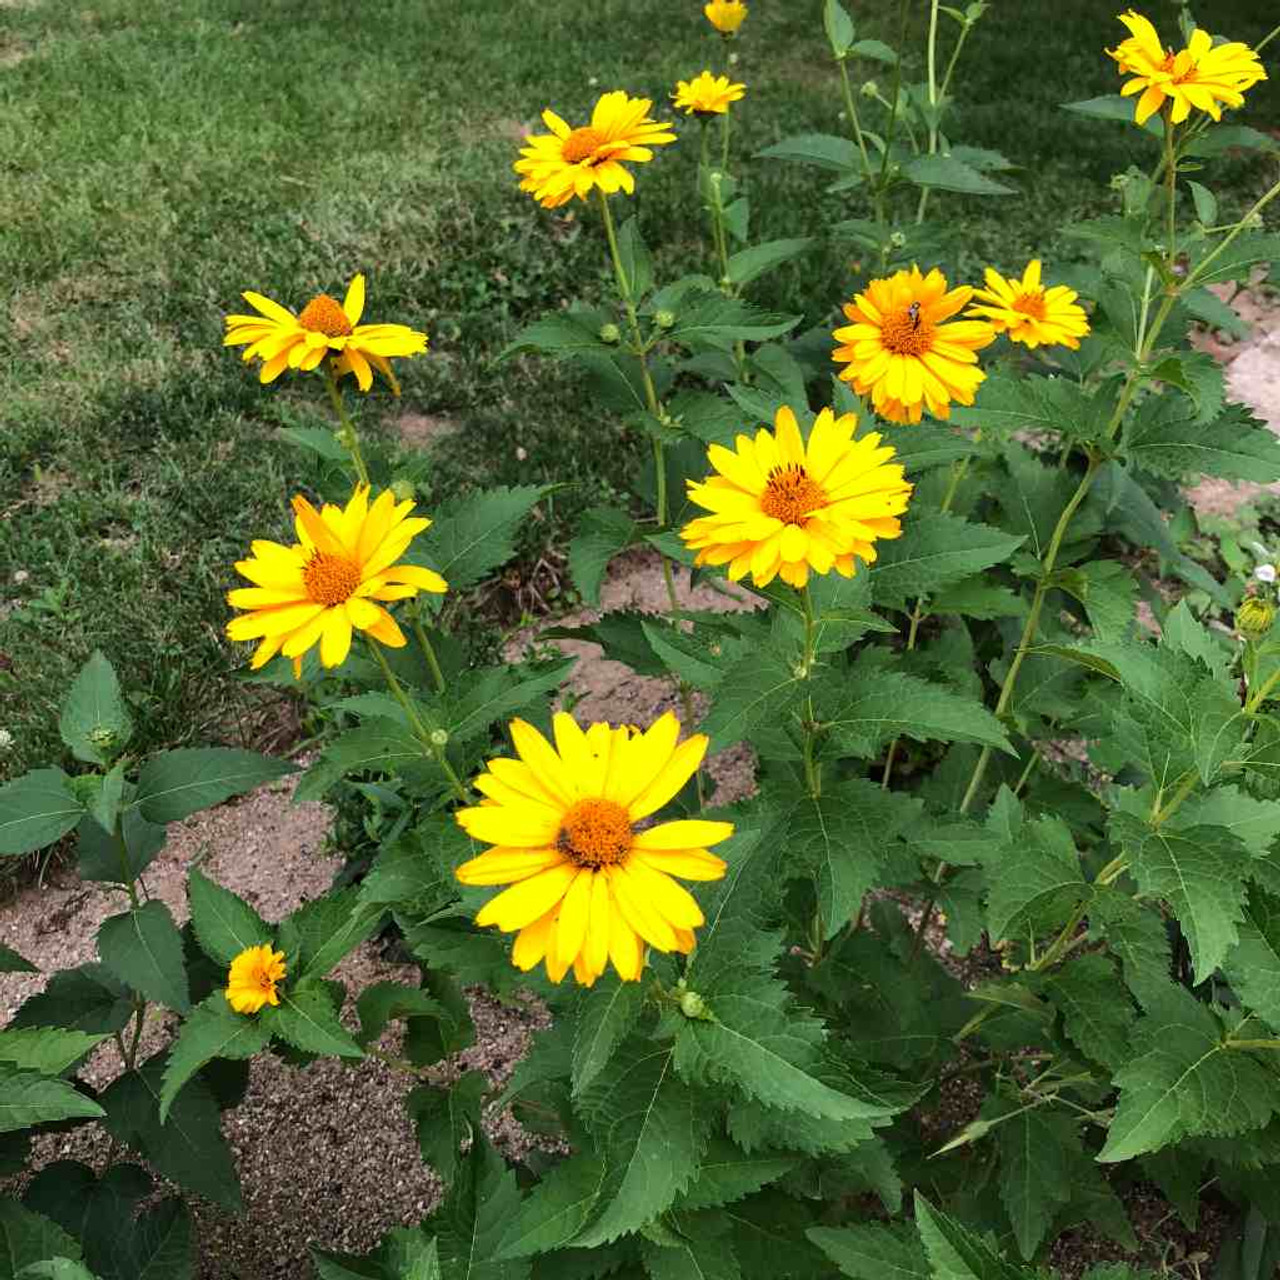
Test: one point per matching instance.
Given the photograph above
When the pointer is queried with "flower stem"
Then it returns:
(347, 433)
(724, 143)
(933, 101)
(812, 770)
(419, 730)
(1171, 188)
(424, 643)
(851, 107)
(1266, 40)
(1258, 207)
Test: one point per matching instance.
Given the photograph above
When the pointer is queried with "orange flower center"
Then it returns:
(582, 144)
(1031, 304)
(324, 314)
(906, 334)
(266, 981)
(330, 579)
(595, 833)
(791, 494)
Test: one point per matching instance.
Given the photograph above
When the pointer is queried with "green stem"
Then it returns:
(424, 643)
(1161, 813)
(140, 1010)
(1258, 207)
(126, 876)
(419, 730)
(851, 107)
(1266, 40)
(347, 434)
(1171, 190)
(893, 114)
(1257, 699)
(724, 143)
(1027, 771)
(812, 770)
(1251, 1044)
(933, 101)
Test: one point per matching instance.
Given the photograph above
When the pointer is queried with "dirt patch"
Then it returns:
(418, 430)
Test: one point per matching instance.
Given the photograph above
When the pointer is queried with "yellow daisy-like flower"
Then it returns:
(725, 15)
(1200, 76)
(251, 983)
(707, 95)
(323, 328)
(780, 508)
(331, 580)
(588, 886)
(899, 349)
(570, 162)
(1029, 312)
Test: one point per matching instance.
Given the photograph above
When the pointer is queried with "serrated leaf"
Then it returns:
(27, 1238)
(306, 1019)
(475, 533)
(321, 932)
(1035, 1172)
(956, 1253)
(822, 150)
(1084, 992)
(88, 999)
(225, 925)
(28, 1098)
(404, 1254)
(870, 1251)
(213, 1030)
(713, 320)
(727, 1173)
(175, 784)
(38, 808)
(188, 1147)
(646, 1119)
(496, 693)
(838, 26)
(48, 1050)
(1137, 936)
(101, 856)
(1183, 1081)
(689, 1254)
(473, 1218)
(447, 1118)
(1253, 964)
(634, 256)
(606, 1015)
(750, 264)
(143, 948)
(1036, 881)
(755, 691)
(384, 1002)
(935, 551)
(1015, 402)
(557, 1208)
(1199, 376)
(1166, 439)
(94, 722)
(377, 746)
(573, 332)
(603, 533)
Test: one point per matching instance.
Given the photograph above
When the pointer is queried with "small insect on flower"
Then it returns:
(914, 312)
(251, 981)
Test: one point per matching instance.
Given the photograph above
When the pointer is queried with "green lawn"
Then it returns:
(158, 159)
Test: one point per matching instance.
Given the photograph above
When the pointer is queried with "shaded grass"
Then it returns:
(159, 159)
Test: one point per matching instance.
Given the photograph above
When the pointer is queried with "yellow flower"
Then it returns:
(570, 162)
(780, 508)
(330, 580)
(251, 983)
(899, 349)
(283, 341)
(707, 95)
(1200, 76)
(587, 887)
(1029, 312)
(725, 15)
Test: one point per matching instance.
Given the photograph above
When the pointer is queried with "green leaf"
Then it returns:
(378, 746)
(646, 1118)
(488, 696)
(1012, 402)
(922, 446)
(949, 174)
(1166, 439)
(225, 924)
(1199, 376)
(750, 264)
(474, 1217)
(143, 948)
(758, 690)
(88, 999)
(1098, 1023)
(37, 809)
(1036, 880)
(603, 533)
(1137, 936)
(955, 1252)
(447, 1118)
(573, 332)
(839, 27)
(1035, 1172)
(27, 1098)
(101, 855)
(715, 321)
(412, 870)
(27, 1238)
(935, 551)
(474, 534)
(870, 1251)
(188, 1147)
(48, 1050)
(306, 1019)
(321, 932)
(556, 1209)
(606, 1016)
(1184, 1082)
(727, 1173)
(212, 1030)
(1208, 308)
(56, 1269)
(1110, 106)
(384, 1002)
(1108, 592)
(94, 722)
(1253, 964)
(699, 1250)
(175, 784)
(1200, 873)
(636, 264)
(822, 150)
(12, 962)
(876, 50)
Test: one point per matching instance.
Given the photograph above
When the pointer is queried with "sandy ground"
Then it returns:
(326, 1154)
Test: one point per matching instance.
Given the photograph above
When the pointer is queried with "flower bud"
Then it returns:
(1119, 181)
(404, 490)
(692, 1005)
(898, 240)
(439, 737)
(1254, 617)
(610, 333)
(102, 737)
(665, 319)
(870, 89)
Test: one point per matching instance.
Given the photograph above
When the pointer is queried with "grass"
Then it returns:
(161, 158)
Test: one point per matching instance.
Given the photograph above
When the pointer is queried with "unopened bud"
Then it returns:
(404, 490)
(439, 737)
(1253, 222)
(870, 89)
(102, 738)
(665, 319)
(898, 240)
(1119, 181)
(1254, 617)
(974, 12)
(733, 59)
(692, 1005)
(610, 333)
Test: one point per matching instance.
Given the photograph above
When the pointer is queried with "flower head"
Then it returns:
(251, 982)
(1030, 312)
(725, 15)
(1255, 617)
(707, 95)
(324, 327)
(1201, 76)
(899, 349)
(587, 886)
(336, 577)
(780, 507)
(569, 162)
